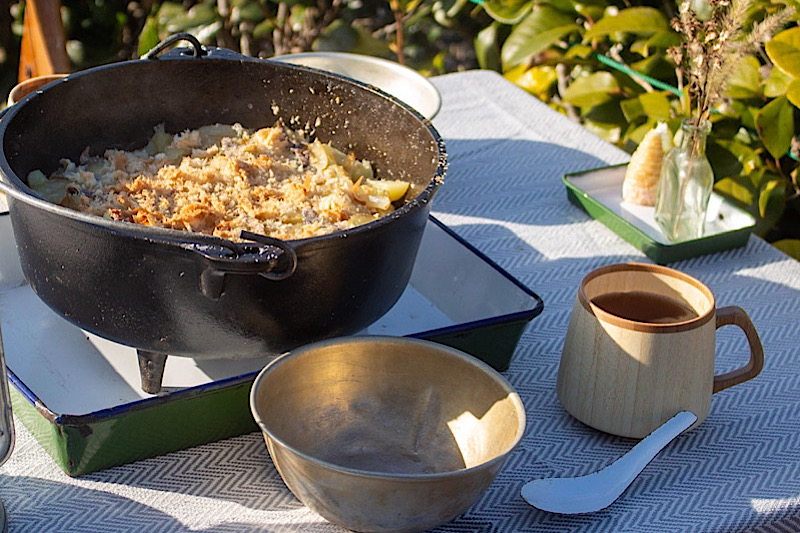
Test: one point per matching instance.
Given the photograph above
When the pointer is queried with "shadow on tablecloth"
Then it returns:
(510, 180)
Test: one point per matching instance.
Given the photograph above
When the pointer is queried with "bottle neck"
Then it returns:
(694, 135)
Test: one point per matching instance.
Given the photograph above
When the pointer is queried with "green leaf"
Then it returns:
(536, 32)
(591, 90)
(758, 179)
(589, 11)
(487, 47)
(338, 36)
(738, 188)
(772, 199)
(148, 38)
(607, 132)
(745, 80)
(725, 163)
(263, 29)
(248, 11)
(294, 3)
(784, 50)
(573, 7)
(535, 80)
(636, 20)
(702, 9)
(793, 93)
(507, 11)
(539, 42)
(580, 51)
(635, 135)
(732, 158)
(646, 65)
(168, 11)
(607, 114)
(746, 113)
(725, 126)
(450, 8)
(775, 126)
(632, 108)
(656, 105)
(664, 39)
(790, 247)
(406, 5)
(777, 83)
(649, 45)
(197, 15)
(367, 44)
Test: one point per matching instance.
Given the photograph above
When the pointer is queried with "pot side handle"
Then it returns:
(269, 258)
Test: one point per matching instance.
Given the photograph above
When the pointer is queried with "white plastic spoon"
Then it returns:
(586, 494)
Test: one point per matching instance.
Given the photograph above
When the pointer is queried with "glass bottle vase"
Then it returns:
(685, 184)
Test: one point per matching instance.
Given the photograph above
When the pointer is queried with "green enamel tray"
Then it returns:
(79, 395)
(599, 193)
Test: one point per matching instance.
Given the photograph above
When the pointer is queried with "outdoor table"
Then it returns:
(738, 471)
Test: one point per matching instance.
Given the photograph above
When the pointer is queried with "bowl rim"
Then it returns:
(431, 106)
(420, 477)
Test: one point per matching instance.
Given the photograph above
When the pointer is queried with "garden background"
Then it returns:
(603, 63)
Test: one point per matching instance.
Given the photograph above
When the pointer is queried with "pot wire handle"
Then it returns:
(197, 47)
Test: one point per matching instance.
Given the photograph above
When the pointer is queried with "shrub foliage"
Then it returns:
(604, 63)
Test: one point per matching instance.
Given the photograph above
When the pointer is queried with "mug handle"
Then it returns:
(736, 316)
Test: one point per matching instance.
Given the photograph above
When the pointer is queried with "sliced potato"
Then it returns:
(159, 141)
(361, 218)
(337, 155)
(176, 153)
(358, 169)
(370, 196)
(96, 166)
(52, 190)
(320, 156)
(36, 178)
(212, 134)
(394, 189)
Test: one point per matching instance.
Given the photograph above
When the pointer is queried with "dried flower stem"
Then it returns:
(711, 49)
(708, 55)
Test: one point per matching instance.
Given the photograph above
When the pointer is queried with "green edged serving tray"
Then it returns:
(599, 193)
(80, 395)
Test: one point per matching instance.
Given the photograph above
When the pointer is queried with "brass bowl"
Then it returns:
(23, 89)
(400, 81)
(386, 434)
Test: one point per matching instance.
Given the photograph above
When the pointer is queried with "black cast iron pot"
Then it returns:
(172, 292)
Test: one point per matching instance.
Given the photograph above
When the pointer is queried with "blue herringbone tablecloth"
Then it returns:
(738, 471)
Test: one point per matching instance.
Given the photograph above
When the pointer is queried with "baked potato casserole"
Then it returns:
(222, 179)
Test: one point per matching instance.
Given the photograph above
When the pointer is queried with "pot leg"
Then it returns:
(151, 370)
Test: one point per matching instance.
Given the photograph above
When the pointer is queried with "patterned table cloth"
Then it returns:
(738, 471)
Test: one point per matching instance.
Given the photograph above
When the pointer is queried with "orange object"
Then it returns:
(43, 49)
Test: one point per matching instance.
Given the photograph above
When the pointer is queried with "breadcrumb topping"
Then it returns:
(222, 179)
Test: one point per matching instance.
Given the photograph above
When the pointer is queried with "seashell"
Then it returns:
(640, 185)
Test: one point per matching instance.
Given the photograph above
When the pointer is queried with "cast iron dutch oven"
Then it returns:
(179, 293)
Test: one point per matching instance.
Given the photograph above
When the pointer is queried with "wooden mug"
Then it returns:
(640, 347)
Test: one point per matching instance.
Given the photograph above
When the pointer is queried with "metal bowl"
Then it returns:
(23, 89)
(386, 434)
(400, 81)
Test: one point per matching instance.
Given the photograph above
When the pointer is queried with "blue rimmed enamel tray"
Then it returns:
(80, 395)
